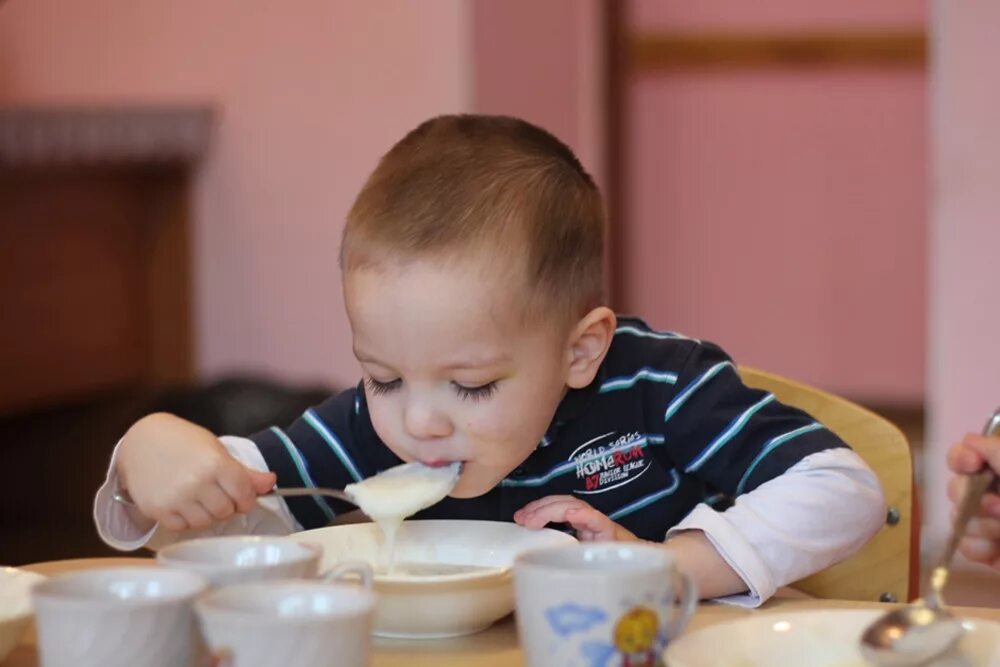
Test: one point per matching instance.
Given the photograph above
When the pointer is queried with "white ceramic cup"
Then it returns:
(118, 617)
(600, 603)
(242, 558)
(292, 622)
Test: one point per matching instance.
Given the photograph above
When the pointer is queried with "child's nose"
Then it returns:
(424, 423)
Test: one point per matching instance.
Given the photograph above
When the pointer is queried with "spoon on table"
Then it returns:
(923, 630)
(401, 490)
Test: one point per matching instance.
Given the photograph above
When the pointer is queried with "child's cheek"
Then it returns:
(387, 428)
(487, 423)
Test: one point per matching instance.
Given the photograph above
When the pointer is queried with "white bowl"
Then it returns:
(820, 638)
(241, 558)
(443, 605)
(15, 606)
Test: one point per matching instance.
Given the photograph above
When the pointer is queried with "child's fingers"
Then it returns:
(586, 518)
(987, 448)
(217, 502)
(196, 516)
(956, 487)
(985, 528)
(175, 522)
(536, 505)
(238, 484)
(980, 549)
(991, 505)
(963, 459)
(161, 510)
(262, 482)
(591, 525)
(552, 512)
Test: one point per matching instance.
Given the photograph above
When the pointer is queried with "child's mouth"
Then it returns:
(441, 463)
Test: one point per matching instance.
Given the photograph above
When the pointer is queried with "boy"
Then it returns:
(472, 279)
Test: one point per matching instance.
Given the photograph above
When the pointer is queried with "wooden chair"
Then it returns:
(887, 567)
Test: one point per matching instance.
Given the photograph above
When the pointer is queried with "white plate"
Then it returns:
(443, 605)
(810, 638)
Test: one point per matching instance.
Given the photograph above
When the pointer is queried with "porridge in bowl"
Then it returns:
(417, 570)
(457, 573)
(399, 492)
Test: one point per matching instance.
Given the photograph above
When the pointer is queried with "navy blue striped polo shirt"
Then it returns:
(666, 424)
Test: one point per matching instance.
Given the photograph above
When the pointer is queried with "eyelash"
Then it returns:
(479, 393)
(381, 388)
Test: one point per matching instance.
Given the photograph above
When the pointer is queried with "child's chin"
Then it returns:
(470, 488)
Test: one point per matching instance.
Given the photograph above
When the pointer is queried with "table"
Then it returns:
(494, 647)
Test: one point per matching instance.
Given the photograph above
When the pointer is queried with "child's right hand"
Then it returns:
(982, 538)
(179, 474)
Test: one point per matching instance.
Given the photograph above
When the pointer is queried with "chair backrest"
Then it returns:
(885, 568)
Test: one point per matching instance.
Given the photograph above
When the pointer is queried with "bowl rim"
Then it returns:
(170, 555)
(492, 575)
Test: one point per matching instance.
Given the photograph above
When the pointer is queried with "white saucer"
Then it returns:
(811, 638)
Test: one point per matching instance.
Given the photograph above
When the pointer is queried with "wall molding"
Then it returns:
(76, 136)
(668, 51)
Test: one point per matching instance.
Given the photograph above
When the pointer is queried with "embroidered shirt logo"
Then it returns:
(607, 462)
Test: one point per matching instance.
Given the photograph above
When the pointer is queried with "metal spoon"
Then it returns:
(289, 492)
(348, 494)
(924, 630)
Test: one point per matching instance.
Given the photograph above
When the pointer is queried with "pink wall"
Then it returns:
(543, 61)
(782, 213)
(308, 98)
(964, 366)
(308, 101)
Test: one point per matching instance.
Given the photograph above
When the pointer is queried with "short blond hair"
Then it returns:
(464, 183)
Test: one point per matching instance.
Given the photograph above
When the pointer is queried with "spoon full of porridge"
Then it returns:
(387, 498)
(393, 495)
(399, 492)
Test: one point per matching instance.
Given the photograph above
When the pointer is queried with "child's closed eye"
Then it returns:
(378, 388)
(477, 393)
(480, 393)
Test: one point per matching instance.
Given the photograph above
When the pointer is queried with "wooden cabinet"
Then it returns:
(95, 274)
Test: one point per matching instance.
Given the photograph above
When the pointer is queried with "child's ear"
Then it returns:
(588, 343)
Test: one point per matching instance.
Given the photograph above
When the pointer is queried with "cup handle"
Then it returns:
(687, 604)
(363, 571)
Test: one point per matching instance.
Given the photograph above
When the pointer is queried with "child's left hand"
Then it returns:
(590, 525)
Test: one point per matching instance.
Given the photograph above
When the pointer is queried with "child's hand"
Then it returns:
(590, 525)
(982, 541)
(181, 475)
